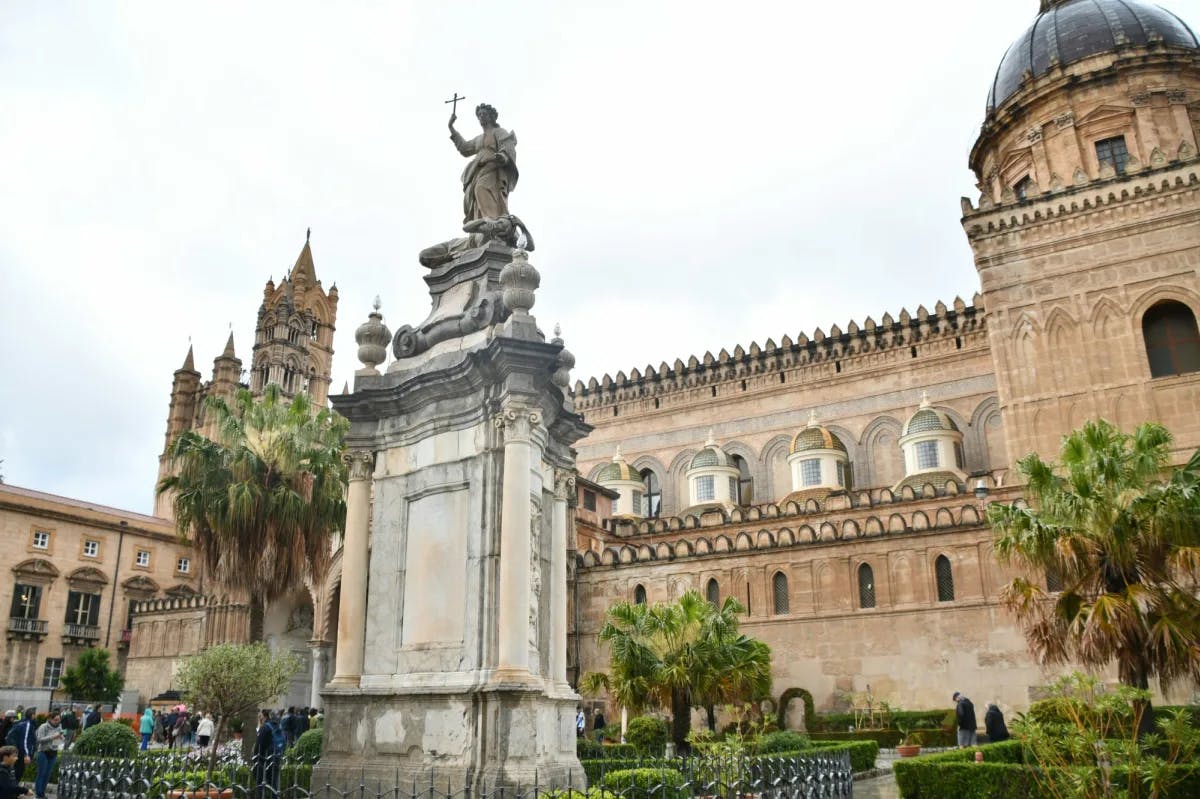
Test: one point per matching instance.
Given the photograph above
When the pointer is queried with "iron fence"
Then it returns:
(176, 775)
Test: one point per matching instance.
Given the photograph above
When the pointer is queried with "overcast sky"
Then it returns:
(697, 175)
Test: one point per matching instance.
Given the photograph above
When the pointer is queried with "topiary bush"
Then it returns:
(307, 747)
(647, 734)
(782, 741)
(108, 739)
(653, 783)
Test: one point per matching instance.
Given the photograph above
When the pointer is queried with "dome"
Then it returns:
(1069, 30)
(617, 469)
(711, 455)
(928, 418)
(816, 437)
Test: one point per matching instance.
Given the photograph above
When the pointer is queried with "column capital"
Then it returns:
(360, 461)
(517, 423)
(564, 485)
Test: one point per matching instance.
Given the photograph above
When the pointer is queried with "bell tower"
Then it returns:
(293, 337)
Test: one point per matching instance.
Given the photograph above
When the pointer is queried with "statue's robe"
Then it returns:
(486, 185)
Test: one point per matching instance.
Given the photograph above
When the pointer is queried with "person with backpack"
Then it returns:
(22, 736)
(269, 746)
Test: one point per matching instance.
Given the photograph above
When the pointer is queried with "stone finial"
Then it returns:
(373, 337)
(519, 279)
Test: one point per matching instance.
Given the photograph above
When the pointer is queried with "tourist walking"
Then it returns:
(10, 786)
(964, 712)
(21, 735)
(204, 730)
(993, 724)
(50, 740)
(146, 728)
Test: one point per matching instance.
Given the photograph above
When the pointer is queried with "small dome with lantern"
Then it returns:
(818, 461)
(619, 476)
(932, 446)
(712, 476)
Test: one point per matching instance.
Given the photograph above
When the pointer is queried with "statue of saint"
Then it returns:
(492, 173)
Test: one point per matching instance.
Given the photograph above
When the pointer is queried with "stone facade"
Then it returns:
(1087, 230)
(75, 568)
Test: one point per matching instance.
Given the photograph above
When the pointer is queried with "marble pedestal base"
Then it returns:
(495, 736)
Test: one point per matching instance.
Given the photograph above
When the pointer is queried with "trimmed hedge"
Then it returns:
(107, 739)
(647, 734)
(587, 749)
(656, 783)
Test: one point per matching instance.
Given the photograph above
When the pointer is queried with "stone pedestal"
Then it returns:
(460, 678)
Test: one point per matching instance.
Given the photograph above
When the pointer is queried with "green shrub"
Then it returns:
(651, 783)
(307, 747)
(647, 734)
(782, 741)
(571, 793)
(109, 739)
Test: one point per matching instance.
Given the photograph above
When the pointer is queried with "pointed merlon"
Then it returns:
(189, 363)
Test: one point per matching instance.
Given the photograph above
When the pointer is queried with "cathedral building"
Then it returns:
(836, 482)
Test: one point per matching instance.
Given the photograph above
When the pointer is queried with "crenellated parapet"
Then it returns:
(872, 344)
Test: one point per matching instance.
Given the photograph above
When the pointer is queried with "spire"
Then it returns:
(228, 353)
(189, 363)
(304, 269)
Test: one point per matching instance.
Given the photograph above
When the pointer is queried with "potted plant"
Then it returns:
(910, 744)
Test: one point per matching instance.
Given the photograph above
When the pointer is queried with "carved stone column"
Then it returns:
(516, 516)
(564, 491)
(320, 654)
(352, 611)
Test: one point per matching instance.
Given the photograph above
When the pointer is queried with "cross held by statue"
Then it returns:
(454, 103)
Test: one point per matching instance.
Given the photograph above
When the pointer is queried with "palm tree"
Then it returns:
(679, 655)
(261, 498)
(1124, 547)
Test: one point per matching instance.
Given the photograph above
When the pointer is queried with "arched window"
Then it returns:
(945, 579)
(866, 586)
(1172, 340)
(652, 496)
(639, 594)
(779, 588)
(712, 592)
(745, 483)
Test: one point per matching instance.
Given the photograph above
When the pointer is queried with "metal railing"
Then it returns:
(81, 631)
(18, 624)
(159, 774)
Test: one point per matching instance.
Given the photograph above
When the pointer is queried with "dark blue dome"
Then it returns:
(1069, 30)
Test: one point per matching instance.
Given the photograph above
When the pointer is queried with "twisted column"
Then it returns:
(352, 611)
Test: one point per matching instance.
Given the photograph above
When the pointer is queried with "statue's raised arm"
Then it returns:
(492, 173)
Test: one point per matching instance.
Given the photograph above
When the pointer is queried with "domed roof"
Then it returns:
(928, 418)
(1069, 30)
(617, 469)
(814, 436)
(710, 455)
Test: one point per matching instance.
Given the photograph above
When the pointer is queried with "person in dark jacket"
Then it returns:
(964, 712)
(993, 724)
(266, 763)
(22, 736)
(10, 786)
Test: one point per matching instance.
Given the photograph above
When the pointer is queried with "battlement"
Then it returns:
(823, 354)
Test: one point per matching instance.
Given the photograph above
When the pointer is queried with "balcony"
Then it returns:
(81, 633)
(26, 628)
